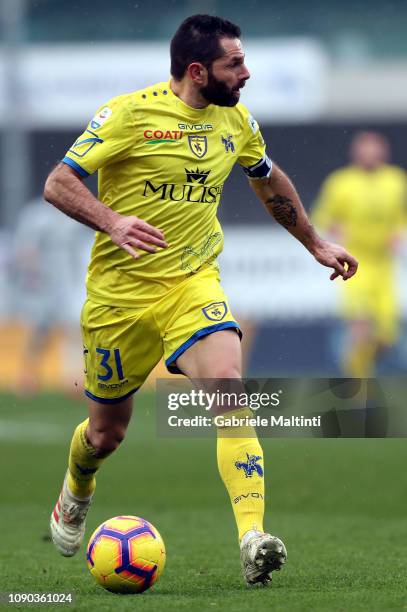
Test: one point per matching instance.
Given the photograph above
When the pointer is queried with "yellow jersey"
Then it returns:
(165, 162)
(367, 207)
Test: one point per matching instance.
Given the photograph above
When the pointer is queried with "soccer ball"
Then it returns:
(126, 554)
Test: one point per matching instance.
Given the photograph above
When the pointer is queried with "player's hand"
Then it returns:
(336, 257)
(132, 233)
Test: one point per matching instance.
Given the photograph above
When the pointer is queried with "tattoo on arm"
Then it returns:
(283, 210)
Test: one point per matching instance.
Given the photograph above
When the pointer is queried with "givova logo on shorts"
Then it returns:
(215, 311)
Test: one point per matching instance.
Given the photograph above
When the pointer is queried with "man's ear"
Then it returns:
(197, 73)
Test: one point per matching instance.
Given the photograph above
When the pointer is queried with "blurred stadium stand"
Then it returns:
(346, 29)
(320, 72)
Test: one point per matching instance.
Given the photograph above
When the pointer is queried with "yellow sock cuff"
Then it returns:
(83, 463)
(239, 413)
(81, 429)
(235, 424)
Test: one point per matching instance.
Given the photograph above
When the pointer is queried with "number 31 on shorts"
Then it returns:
(110, 362)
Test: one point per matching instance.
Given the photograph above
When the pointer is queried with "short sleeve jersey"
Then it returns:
(165, 162)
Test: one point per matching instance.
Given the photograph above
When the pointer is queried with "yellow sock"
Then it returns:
(83, 463)
(240, 463)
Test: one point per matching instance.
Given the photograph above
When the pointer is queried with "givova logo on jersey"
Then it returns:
(194, 189)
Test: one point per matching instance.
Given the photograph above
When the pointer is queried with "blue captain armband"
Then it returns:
(261, 169)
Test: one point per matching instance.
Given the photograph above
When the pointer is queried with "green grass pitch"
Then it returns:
(339, 505)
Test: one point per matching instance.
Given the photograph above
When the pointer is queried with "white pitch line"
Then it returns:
(35, 433)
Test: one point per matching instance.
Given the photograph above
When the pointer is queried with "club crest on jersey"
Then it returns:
(215, 311)
(198, 145)
(250, 466)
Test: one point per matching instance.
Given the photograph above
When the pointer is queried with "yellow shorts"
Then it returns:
(123, 345)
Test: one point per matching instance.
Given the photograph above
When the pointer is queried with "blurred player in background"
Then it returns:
(364, 206)
(48, 264)
(164, 153)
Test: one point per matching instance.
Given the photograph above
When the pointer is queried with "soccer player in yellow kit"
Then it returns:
(364, 206)
(163, 154)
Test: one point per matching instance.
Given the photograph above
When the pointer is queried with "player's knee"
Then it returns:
(105, 441)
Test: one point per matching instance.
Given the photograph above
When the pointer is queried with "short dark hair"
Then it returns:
(197, 40)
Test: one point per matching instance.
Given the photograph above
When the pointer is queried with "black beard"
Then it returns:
(217, 92)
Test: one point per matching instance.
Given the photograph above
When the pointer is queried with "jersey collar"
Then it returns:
(190, 111)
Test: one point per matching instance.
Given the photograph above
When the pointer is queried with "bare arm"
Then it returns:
(282, 201)
(65, 190)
